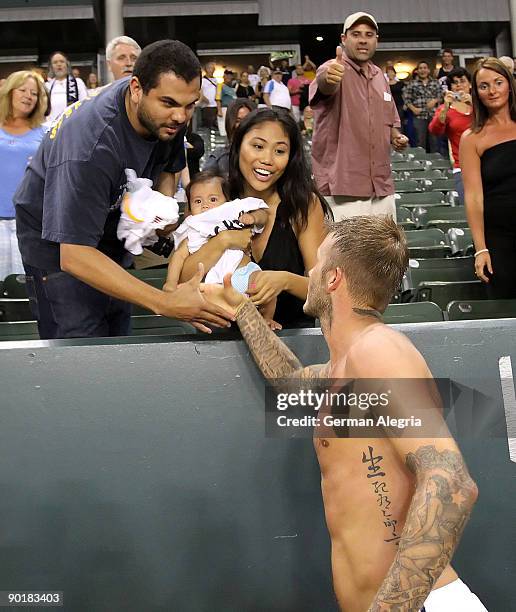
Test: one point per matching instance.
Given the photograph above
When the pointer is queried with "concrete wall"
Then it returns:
(138, 476)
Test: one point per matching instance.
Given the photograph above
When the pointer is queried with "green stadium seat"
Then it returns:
(439, 164)
(15, 310)
(14, 286)
(426, 175)
(428, 217)
(435, 156)
(421, 198)
(445, 269)
(398, 166)
(397, 156)
(416, 312)
(481, 309)
(426, 252)
(446, 225)
(461, 241)
(404, 218)
(150, 273)
(406, 186)
(426, 237)
(416, 152)
(155, 282)
(442, 293)
(19, 330)
(439, 184)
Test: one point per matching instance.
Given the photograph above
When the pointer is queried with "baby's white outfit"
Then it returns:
(198, 229)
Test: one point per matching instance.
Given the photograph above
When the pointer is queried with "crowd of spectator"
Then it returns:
(351, 145)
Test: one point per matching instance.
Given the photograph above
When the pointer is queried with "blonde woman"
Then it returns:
(23, 102)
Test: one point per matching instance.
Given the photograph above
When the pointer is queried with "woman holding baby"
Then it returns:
(267, 161)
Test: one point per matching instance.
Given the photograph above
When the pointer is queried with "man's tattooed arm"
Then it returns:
(443, 500)
(272, 356)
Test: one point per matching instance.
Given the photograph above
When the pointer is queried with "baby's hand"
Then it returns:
(257, 217)
(247, 219)
(273, 325)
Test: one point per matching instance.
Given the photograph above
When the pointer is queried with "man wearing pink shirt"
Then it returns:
(356, 123)
(295, 85)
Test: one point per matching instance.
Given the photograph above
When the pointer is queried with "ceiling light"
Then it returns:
(319, 38)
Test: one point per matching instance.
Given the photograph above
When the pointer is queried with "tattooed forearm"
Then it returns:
(272, 356)
(444, 497)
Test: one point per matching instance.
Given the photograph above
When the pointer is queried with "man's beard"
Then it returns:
(318, 303)
(153, 128)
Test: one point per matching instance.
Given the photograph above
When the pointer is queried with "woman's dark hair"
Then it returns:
(295, 186)
(205, 177)
(232, 114)
(457, 73)
(480, 112)
(165, 56)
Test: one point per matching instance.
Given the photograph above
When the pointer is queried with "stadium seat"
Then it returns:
(435, 156)
(15, 310)
(416, 152)
(160, 272)
(19, 330)
(438, 164)
(421, 198)
(481, 309)
(446, 225)
(442, 293)
(14, 286)
(404, 218)
(397, 156)
(433, 252)
(406, 186)
(426, 237)
(438, 184)
(398, 166)
(429, 217)
(445, 269)
(461, 241)
(425, 243)
(155, 282)
(416, 312)
(426, 175)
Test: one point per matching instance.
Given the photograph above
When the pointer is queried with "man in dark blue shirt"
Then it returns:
(68, 204)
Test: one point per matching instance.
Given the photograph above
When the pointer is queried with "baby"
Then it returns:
(211, 213)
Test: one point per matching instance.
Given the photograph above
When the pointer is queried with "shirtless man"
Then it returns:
(380, 563)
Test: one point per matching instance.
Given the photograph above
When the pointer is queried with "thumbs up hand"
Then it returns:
(335, 70)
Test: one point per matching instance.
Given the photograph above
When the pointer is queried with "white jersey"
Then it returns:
(57, 90)
(209, 91)
(143, 212)
(198, 229)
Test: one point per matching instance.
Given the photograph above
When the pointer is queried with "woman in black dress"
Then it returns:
(488, 159)
(244, 88)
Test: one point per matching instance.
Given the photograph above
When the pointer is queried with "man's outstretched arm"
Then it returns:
(272, 356)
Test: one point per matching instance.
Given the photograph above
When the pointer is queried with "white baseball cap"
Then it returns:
(352, 19)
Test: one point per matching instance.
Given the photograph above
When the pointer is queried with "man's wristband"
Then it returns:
(481, 251)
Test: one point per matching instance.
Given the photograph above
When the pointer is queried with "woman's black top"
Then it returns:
(282, 253)
(244, 91)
